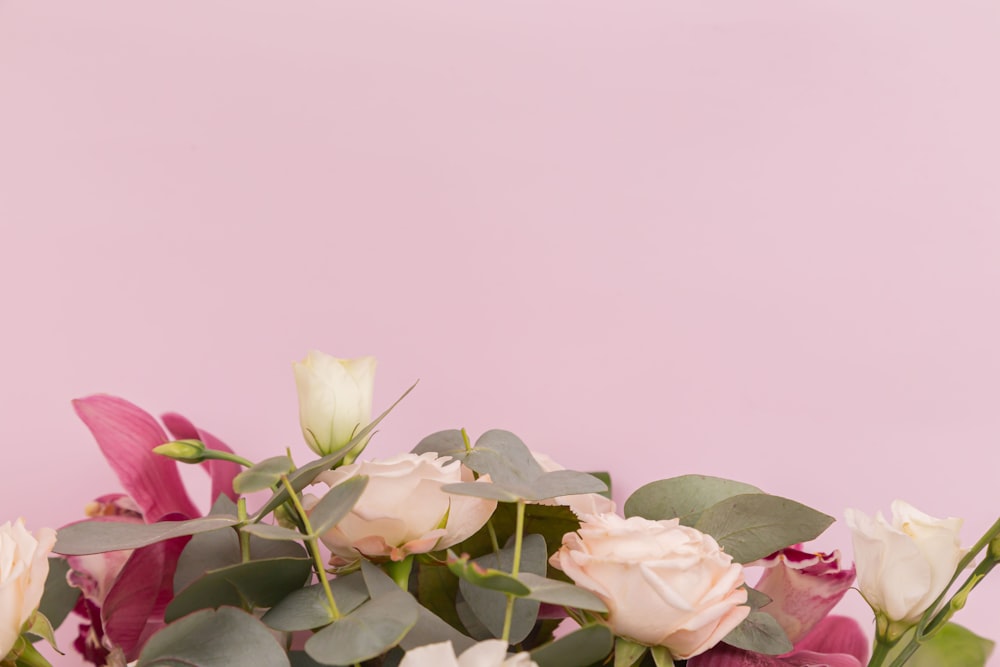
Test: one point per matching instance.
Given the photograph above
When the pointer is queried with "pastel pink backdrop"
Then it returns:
(751, 239)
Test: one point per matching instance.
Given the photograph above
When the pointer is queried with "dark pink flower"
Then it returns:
(837, 641)
(125, 593)
(803, 587)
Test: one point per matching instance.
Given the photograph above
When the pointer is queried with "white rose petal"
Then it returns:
(24, 565)
(335, 399)
(489, 653)
(903, 566)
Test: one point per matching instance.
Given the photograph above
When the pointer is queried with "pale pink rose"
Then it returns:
(581, 503)
(489, 653)
(664, 584)
(905, 565)
(403, 510)
(803, 588)
(24, 565)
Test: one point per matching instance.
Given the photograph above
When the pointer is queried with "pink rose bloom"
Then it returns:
(664, 584)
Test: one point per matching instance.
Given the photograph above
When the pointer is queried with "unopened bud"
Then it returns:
(185, 451)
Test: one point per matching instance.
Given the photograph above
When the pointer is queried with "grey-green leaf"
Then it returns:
(751, 526)
(505, 458)
(561, 593)
(58, 598)
(308, 608)
(337, 502)
(589, 645)
(759, 633)
(210, 638)
(263, 475)
(367, 632)
(684, 497)
(262, 583)
(94, 537)
(449, 443)
(266, 531)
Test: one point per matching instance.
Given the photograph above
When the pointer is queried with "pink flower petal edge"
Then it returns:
(127, 435)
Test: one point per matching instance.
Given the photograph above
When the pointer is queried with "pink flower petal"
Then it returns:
(133, 609)
(837, 634)
(127, 435)
(723, 655)
(221, 472)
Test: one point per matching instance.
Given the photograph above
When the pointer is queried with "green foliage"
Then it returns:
(263, 475)
(59, 597)
(214, 638)
(589, 645)
(684, 497)
(94, 537)
(759, 633)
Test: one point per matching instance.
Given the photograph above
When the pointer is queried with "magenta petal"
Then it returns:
(127, 435)
(723, 655)
(133, 609)
(221, 472)
(813, 659)
(837, 634)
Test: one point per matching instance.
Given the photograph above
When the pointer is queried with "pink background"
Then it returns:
(752, 239)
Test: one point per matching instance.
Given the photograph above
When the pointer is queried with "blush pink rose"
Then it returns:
(664, 584)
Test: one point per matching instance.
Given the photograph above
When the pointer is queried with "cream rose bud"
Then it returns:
(24, 565)
(403, 510)
(489, 653)
(664, 584)
(335, 399)
(904, 566)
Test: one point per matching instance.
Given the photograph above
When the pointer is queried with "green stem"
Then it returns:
(400, 571)
(880, 652)
(241, 510)
(518, 541)
(227, 456)
(30, 657)
(312, 543)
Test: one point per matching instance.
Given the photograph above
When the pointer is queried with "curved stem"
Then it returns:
(312, 543)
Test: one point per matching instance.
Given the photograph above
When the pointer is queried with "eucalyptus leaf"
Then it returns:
(589, 645)
(756, 599)
(437, 590)
(450, 443)
(489, 606)
(308, 473)
(505, 458)
(263, 475)
(488, 578)
(308, 608)
(952, 646)
(490, 491)
(367, 632)
(58, 598)
(760, 633)
(266, 531)
(752, 526)
(684, 497)
(337, 502)
(94, 537)
(552, 591)
(545, 486)
(262, 583)
(214, 638)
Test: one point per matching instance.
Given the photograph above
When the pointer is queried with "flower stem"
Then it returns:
(515, 568)
(312, 543)
(400, 571)
(29, 656)
(241, 510)
(227, 456)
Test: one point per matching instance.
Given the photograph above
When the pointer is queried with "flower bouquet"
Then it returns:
(475, 554)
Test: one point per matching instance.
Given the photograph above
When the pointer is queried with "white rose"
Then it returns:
(581, 503)
(403, 510)
(489, 653)
(24, 565)
(335, 399)
(904, 566)
(664, 584)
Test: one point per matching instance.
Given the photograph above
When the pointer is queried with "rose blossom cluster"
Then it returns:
(663, 584)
